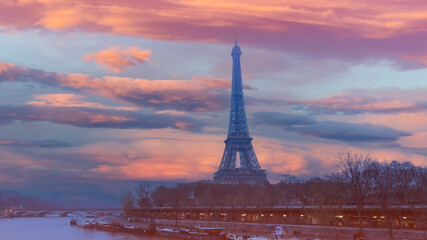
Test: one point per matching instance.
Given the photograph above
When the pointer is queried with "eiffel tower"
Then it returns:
(238, 145)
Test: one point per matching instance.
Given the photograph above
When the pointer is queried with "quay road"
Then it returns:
(328, 222)
(404, 216)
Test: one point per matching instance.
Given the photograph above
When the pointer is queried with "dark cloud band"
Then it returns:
(38, 143)
(97, 118)
(194, 95)
(341, 131)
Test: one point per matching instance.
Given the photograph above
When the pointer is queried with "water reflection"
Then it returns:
(57, 228)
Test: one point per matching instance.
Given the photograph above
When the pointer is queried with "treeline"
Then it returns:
(14, 200)
(359, 180)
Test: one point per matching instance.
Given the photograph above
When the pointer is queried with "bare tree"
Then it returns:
(383, 177)
(421, 187)
(186, 194)
(292, 192)
(143, 196)
(143, 193)
(404, 173)
(354, 167)
(127, 202)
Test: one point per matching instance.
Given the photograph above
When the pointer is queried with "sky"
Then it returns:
(96, 96)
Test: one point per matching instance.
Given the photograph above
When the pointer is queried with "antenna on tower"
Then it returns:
(235, 38)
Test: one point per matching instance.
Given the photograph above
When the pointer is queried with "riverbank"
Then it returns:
(261, 229)
(307, 232)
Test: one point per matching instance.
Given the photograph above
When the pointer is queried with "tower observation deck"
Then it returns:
(238, 145)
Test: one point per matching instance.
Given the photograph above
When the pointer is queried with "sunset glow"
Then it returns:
(138, 90)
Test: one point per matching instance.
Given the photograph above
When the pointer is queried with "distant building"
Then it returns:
(238, 145)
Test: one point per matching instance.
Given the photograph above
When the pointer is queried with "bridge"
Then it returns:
(12, 213)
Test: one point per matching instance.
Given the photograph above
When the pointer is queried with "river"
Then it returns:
(57, 228)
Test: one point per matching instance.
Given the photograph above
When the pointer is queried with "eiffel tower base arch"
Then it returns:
(241, 176)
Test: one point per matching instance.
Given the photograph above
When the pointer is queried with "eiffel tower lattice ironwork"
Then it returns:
(238, 145)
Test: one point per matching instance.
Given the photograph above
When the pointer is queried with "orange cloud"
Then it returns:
(145, 18)
(170, 156)
(354, 103)
(360, 101)
(173, 155)
(416, 141)
(117, 59)
(182, 95)
(162, 94)
(95, 117)
(327, 28)
(412, 122)
(414, 60)
(219, 83)
(71, 100)
(160, 154)
(172, 112)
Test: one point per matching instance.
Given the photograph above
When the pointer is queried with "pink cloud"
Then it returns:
(183, 95)
(320, 29)
(416, 141)
(95, 117)
(117, 59)
(71, 100)
(219, 83)
(17, 171)
(35, 144)
(373, 19)
(412, 122)
(414, 60)
(177, 155)
(180, 156)
(172, 112)
(360, 101)
(196, 95)
(190, 157)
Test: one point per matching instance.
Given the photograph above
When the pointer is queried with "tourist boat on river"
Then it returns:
(199, 233)
(150, 230)
(109, 226)
(87, 221)
(278, 234)
(232, 236)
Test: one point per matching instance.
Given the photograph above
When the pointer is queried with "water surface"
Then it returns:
(57, 228)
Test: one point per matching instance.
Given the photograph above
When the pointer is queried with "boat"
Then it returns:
(55, 214)
(277, 234)
(109, 226)
(232, 236)
(280, 234)
(86, 221)
(151, 230)
(199, 233)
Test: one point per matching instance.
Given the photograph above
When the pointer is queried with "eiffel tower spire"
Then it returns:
(238, 145)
